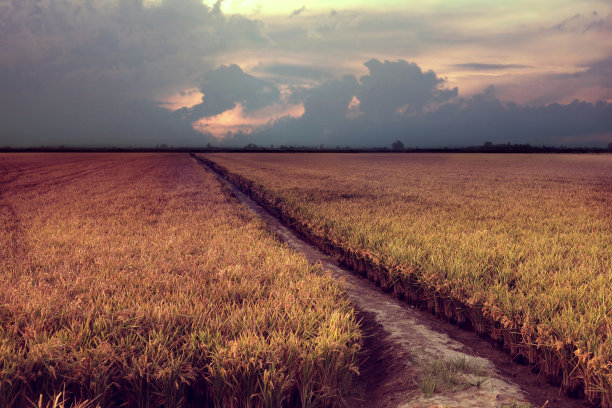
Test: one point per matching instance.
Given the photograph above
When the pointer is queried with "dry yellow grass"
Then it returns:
(524, 241)
(135, 279)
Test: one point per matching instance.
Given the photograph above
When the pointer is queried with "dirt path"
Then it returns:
(413, 359)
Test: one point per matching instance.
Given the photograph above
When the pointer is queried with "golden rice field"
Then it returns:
(517, 246)
(136, 280)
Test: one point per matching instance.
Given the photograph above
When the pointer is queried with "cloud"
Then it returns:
(589, 82)
(226, 86)
(580, 23)
(440, 36)
(476, 66)
(297, 12)
(434, 117)
(65, 60)
(325, 104)
(138, 48)
(399, 87)
(80, 120)
(237, 121)
(285, 72)
(483, 116)
(112, 72)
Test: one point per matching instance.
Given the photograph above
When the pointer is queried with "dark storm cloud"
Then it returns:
(484, 117)
(122, 41)
(326, 104)
(399, 87)
(80, 120)
(475, 66)
(435, 116)
(227, 86)
(70, 68)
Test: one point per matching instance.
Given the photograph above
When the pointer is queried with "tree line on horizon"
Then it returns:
(396, 146)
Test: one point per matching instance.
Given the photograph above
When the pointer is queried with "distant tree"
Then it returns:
(489, 144)
(397, 145)
(610, 147)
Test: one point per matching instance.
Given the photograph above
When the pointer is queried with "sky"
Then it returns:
(305, 73)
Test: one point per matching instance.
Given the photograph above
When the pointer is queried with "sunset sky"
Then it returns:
(187, 72)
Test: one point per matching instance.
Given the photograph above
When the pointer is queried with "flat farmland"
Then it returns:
(137, 280)
(519, 247)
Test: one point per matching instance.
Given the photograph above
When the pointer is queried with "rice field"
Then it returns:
(518, 247)
(136, 280)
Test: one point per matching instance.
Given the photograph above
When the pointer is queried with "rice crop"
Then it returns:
(137, 280)
(518, 247)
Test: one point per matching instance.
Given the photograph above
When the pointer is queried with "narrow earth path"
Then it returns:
(413, 359)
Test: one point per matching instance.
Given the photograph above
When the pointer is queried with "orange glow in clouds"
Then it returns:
(236, 120)
(183, 99)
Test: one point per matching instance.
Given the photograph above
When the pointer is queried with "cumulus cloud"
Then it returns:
(434, 115)
(399, 87)
(227, 86)
(358, 112)
(440, 37)
(326, 104)
(235, 102)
